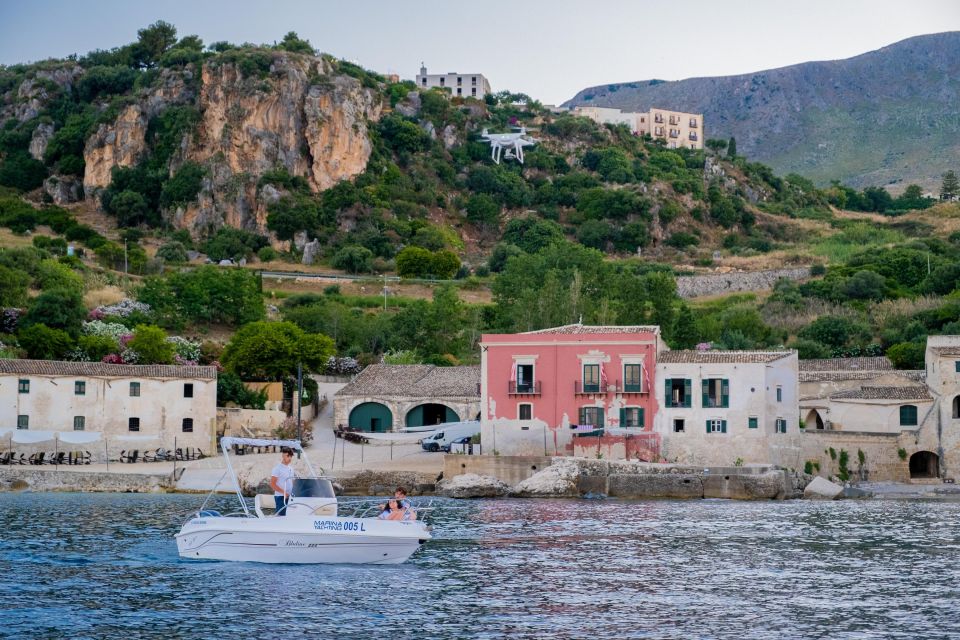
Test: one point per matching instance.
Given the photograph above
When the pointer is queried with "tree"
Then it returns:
(173, 252)
(864, 285)
(716, 144)
(834, 331)
(950, 188)
(232, 391)
(96, 347)
(685, 334)
(151, 345)
(482, 209)
(184, 186)
(414, 262)
(13, 287)
(907, 355)
(57, 309)
(532, 234)
(20, 171)
(44, 343)
(402, 135)
(810, 349)
(272, 350)
(130, 208)
(152, 42)
(354, 259)
(203, 295)
(594, 233)
(292, 214)
(293, 43)
(230, 243)
(732, 148)
(444, 264)
(662, 291)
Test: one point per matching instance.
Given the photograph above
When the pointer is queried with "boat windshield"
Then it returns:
(312, 488)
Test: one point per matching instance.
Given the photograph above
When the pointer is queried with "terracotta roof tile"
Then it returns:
(839, 376)
(415, 380)
(884, 393)
(582, 328)
(879, 363)
(101, 369)
(721, 357)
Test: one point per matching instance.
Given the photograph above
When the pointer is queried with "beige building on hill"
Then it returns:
(677, 129)
(461, 85)
(131, 406)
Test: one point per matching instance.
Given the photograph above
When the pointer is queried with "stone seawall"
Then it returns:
(33, 479)
(714, 284)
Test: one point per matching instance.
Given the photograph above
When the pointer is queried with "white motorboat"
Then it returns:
(311, 531)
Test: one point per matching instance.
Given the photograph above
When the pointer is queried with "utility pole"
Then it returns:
(384, 291)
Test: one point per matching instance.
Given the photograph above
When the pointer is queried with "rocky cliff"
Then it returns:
(887, 117)
(299, 116)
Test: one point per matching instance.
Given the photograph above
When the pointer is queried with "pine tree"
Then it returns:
(732, 148)
(950, 188)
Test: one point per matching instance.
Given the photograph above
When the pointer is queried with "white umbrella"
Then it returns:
(78, 437)
(25, 436)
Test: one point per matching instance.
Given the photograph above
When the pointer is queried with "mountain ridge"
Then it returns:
(884, 117)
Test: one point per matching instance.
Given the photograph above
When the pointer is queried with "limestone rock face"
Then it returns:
(559, 480)
(63, 189)
(119, 144)
(40, 140)
(311, 251)
(822, 489)
(471, 485)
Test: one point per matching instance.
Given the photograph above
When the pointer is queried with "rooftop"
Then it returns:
(101, 369)
(947, 351)
(839, 376)
(721, 357)
(884, 393)
(416, 380)
(880, 363)
(584, 328)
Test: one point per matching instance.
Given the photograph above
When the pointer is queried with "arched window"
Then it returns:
(908, 415)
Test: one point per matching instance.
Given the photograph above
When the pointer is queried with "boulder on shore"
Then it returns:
(822, 489)
(559, 480)
(471, 485)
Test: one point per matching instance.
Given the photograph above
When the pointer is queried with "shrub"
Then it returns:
(810, 349)
(907, 355)
(173, 252)
(403, 135)
(834, 331)
(20, 171)
(482, 209)
(414, 262)
(184, 186)
(682, 239)
(232, 244)
(595, 234)
(231, 390)
(531, 234)
(150, 344)
(353, 259)
(13, 287)
(267, 254)
(96, 347)
(44, 343)
(57, 309)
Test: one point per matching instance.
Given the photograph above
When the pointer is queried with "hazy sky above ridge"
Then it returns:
(548, 49)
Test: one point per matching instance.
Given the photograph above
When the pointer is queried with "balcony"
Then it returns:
(674, 133)
(581, 389)
(674, 120)
(524, 388)
(693, 136)
(630, 388)
(658, 119)
(693, 124)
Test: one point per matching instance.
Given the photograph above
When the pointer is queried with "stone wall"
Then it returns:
(713, 284)
(250, 423)
(509, 469)
(40, 479)
(882, 461)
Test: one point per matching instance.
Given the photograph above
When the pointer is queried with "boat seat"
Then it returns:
(265, 504)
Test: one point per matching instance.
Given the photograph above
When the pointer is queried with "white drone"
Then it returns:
(513, 143)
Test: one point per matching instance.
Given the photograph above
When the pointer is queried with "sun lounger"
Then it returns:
(36, 458)
(6, 457)
(129, 457)
(56, 458)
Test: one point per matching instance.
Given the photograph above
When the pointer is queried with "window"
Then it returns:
(79, 423)
(781, 425)
(459, 81)
(716, 426)
(79, 388)
(632, 378)
(591, 378)
(188, 425)
(524, 378)
(134, 389)
(779, 393)
(678, 392)
(525, 411)
(716, 392)
(188, 390)
(678, 426)
(23, 422)
(752, 422)
(473, 92)
(442, 81)
(473, 79)
(23, 386)
(592, 416)
(134, 424)
(459, 91)
(908, 415)
(631, 417)
(956, 366)
(424, 80)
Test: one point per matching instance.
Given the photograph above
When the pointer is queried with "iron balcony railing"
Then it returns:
(628, 387)
(588, 388)
(524, 388)
(693, 124)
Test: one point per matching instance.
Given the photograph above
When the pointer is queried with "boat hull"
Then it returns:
(327, 540)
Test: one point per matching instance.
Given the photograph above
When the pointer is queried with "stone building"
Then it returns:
(677, 129)
(157, 405)
(721, 406)
(461, 85)
(389, 397)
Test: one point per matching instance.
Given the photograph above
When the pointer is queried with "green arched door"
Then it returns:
(371, 416)
(429, 414)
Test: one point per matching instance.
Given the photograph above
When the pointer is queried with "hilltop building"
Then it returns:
(461, 85)
(147, 406)
(389, 397)
(677, 129)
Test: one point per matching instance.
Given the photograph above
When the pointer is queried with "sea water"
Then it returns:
(106, 566)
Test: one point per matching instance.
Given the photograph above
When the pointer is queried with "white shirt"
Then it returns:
(284, 475)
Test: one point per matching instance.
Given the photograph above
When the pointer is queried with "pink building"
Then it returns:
(548, 392)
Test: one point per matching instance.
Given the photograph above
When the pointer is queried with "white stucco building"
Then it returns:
(153, 405)
(461, 85)
(720, 406)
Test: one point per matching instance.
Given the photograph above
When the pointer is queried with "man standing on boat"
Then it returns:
(281, 480)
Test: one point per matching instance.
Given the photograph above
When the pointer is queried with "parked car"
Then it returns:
(446, 434)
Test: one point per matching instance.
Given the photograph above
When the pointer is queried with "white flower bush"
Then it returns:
(113, 330)
(187, 351)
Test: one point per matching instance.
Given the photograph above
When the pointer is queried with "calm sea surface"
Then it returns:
(106, 566)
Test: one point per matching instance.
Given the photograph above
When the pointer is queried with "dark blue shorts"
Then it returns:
(281, 511)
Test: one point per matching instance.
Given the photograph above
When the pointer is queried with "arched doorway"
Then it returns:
(371, 416)
(431, 413)
(956, 408)
(813, 421)
(924, 464)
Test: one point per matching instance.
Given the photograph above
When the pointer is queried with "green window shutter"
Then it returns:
(723, 426)
(623, 418)
(668, 392)
(752, 423)
(599, 414)
(641, 420)
(724, 393)
(704, 393)
(956, 366)
(708, 426)
(582, 418)
(687, 392)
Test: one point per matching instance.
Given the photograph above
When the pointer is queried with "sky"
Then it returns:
(549, 49)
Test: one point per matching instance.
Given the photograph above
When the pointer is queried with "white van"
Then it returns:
(445, 434)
